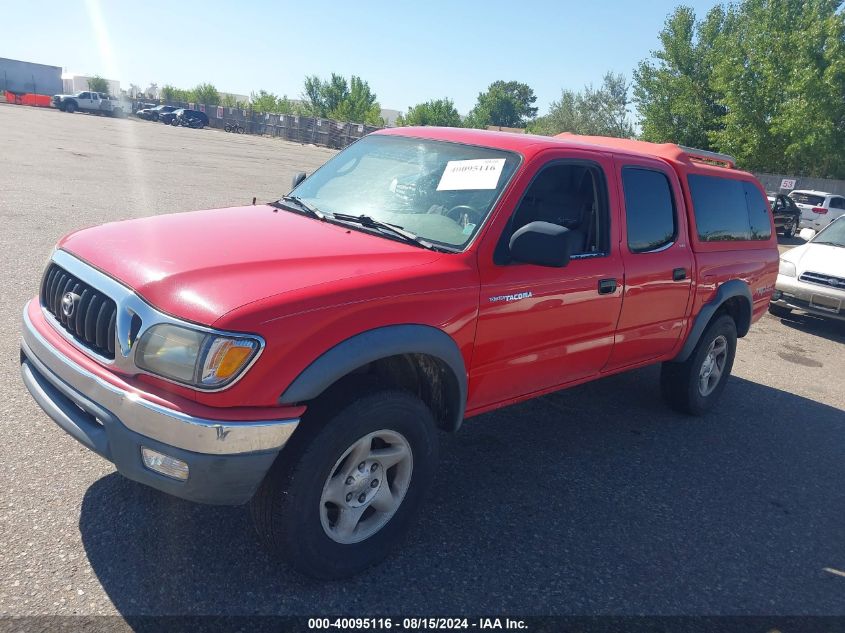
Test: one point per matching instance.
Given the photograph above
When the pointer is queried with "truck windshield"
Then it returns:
(440, 191)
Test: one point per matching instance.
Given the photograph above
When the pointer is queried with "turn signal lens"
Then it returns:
(819, 210)
(225, 358)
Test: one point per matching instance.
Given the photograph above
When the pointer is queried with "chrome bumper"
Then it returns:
(168, 426)
(802, 295)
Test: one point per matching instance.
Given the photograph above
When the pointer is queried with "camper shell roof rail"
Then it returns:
(706, 156)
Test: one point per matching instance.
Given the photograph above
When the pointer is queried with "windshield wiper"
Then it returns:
(300, 204)
(395, 229)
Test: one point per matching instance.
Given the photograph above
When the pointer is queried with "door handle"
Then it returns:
(679, 274)
(607, 286)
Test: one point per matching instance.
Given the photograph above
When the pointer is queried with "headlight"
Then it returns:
(201, 359)
(786, 268)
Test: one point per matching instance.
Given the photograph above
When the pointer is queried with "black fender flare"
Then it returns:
(728, 290)
(375, 344)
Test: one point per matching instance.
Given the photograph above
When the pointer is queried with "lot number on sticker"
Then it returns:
(482, 173)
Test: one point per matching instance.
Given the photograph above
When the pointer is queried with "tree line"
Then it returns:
(763, 80)
(334, 98)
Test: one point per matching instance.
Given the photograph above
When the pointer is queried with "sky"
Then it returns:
(409, 52)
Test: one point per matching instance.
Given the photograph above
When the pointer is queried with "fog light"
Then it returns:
(776, 295)
(164, 464)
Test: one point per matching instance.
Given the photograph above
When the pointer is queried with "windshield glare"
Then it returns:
(438, 190)
(834, 233)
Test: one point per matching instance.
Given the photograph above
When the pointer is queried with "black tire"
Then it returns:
(680, 382)
(779, 311)
(287, 507)
(70, 107)
(240, 129)
(227, 128)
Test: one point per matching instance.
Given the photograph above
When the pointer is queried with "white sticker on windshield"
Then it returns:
(482, 173)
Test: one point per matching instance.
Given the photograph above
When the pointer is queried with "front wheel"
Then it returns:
(70, 107)
(694, 386)
(227, 127)
(337, 499)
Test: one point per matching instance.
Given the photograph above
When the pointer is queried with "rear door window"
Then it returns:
(649, 209)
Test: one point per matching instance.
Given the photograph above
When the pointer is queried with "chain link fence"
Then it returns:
(289, 127)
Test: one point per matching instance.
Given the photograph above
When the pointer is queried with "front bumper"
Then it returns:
(227, 460)
(813, 298)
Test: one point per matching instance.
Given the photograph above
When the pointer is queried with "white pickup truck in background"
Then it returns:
(89, 101)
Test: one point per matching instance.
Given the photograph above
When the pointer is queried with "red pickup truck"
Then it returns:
(301, 355)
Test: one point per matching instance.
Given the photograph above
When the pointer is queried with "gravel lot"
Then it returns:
(597, 500)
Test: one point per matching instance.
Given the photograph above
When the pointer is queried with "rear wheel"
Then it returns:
(694, 386)
(348, 487)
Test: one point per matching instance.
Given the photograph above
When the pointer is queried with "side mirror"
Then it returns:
(541, 244)
(298, 178)
(807, 234)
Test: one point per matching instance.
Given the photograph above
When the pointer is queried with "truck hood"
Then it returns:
(817, 258)
(204, 264)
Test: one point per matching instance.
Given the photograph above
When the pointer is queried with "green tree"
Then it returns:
(673, 91)
(505, 103)
(440, 112)
(337, 98)
(763, 80)
(205, 93)
(169, 92)
(98, 84)
(599, 111)
(781, 78)
(263, 101)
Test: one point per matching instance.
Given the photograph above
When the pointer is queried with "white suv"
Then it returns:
(818, 208)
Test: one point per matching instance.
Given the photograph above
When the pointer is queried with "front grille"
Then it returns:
(823, 280)
(94, 315)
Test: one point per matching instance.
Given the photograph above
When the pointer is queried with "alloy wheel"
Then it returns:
(366, 486)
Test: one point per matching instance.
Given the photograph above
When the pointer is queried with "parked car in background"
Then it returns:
(154, 114)
(88, 101)
(811, 277)
(818, 208)
(143, 110)
(186, 118)
(786, 214)
(167, 117)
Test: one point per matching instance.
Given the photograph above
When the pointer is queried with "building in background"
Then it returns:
(72, 83)
(231, 97)
(20, 78)
(389, 117)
